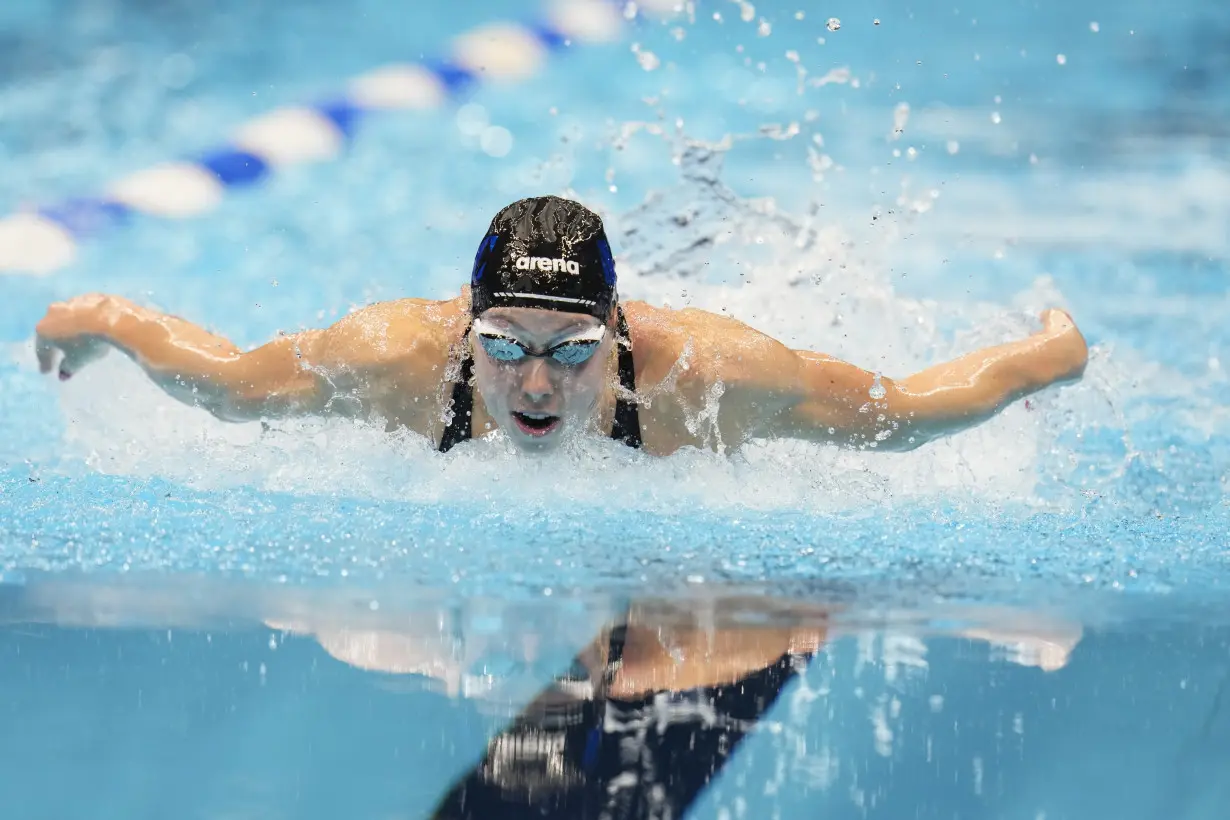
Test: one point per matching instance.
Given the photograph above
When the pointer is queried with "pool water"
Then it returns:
(320, 619)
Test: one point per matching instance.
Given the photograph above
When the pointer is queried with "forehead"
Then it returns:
(538, 322)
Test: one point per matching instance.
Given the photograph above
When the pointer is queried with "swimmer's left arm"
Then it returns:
(824, 399)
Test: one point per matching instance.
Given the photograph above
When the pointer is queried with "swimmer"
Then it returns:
(540, 346)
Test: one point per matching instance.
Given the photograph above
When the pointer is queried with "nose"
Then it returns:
(536, 381)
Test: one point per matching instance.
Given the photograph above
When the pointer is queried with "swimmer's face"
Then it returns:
(538, 398)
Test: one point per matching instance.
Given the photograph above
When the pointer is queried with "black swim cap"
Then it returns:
(548, 253)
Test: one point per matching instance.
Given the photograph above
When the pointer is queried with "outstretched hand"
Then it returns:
(71, 332)
(1064, 345)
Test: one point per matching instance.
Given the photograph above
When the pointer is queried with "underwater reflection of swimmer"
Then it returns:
(540, 346)
(647, 718)
(649, 714)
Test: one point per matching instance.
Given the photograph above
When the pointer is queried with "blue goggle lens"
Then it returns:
(502, 348)
(574, 353)
(569, 354)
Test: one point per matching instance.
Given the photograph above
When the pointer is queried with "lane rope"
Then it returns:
(43, 240)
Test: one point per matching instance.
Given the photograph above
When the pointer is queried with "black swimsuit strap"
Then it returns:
(462, 405)
(627, 426)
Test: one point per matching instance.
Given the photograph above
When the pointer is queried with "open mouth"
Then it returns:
(536, 424)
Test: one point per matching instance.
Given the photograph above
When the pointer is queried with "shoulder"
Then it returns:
(715, 346)
(388, 333)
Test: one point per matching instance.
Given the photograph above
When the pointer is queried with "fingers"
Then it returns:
(1056, 320)
(77, 354)
(73, 354)
(46, 353)
(59, 334)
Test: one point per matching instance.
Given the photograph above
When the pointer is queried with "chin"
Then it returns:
(537, 445)
(528, 443)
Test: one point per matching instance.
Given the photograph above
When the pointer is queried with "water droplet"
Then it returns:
(1094, 27)
(833, 24)
(876, 22)
(877, 390)
(648, 60)
(996, 118)
(1062, 59)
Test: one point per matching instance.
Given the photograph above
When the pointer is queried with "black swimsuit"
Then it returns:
(640, 758)
(627, 427)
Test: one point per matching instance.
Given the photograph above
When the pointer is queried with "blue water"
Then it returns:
(145, 549)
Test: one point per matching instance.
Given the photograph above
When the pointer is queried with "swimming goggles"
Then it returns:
(571, 352)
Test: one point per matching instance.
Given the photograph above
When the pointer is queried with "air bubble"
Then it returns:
(833, 24)
(877, 390)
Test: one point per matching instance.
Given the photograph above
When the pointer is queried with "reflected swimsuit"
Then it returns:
(645, 757)
(627, 426)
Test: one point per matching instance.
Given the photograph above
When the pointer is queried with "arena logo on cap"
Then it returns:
(547, 265)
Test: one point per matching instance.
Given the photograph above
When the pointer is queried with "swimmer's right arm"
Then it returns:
(296, 374)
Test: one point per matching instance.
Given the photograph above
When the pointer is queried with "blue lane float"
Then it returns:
(46, 239)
